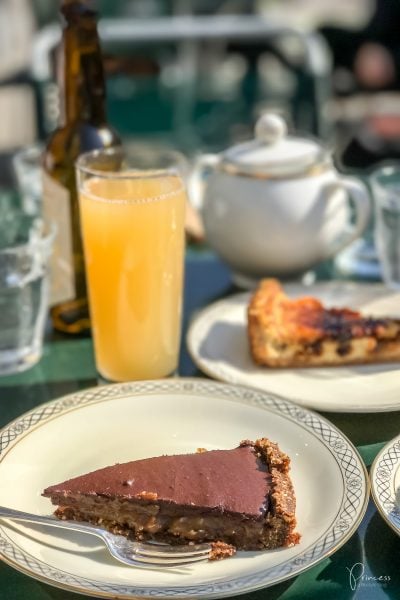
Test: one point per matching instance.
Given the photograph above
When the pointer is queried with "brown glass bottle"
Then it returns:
(82, 127)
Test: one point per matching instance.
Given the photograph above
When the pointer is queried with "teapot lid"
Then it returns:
(273, 153)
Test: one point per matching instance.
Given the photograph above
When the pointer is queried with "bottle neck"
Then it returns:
(81, 68)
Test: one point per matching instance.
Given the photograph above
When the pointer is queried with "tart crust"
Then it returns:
(280, 520)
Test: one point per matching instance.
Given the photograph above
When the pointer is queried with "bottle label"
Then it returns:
(56, 208)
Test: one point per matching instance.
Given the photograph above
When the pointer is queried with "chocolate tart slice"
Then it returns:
(236, 499)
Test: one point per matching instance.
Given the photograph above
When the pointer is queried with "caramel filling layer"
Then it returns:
(156, 521)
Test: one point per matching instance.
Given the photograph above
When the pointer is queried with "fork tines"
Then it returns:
(165, 554)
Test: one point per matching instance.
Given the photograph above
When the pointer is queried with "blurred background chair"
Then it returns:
(197, 73)
(194, 73)
(198, 81)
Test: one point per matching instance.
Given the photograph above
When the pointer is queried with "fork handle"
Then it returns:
(17, 515)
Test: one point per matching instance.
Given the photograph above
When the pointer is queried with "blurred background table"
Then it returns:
(68, 366)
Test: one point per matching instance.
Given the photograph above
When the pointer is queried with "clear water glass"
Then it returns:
(24, 254)
(386, 189)
(27, 164)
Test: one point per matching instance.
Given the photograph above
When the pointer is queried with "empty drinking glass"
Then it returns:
(25, 246)
(28, 171)
(386, 190)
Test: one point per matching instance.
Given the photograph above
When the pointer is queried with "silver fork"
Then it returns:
(126, 551)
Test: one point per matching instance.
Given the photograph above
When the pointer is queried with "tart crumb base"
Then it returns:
(221, 550)
(281, 522)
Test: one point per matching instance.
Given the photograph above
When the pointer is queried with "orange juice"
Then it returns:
(133, 234)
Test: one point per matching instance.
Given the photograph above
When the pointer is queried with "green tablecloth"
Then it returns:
(67, 366)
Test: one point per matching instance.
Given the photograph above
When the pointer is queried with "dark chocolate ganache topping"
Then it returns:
(236, 481)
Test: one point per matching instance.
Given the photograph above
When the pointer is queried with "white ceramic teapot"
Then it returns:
(277, 206)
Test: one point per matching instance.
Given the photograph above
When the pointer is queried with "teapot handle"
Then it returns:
(359, 196)
(202, 166)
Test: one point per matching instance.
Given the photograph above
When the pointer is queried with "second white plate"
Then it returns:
(385, 483)
(217, 342)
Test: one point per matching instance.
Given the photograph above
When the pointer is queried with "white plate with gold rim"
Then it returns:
(385, 483)
(217, 341)
(116, 423)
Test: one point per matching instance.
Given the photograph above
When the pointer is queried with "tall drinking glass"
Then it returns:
(132, 206)
(386, 189)
(27, 164)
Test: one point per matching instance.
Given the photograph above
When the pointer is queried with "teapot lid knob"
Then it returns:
(270, 128)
